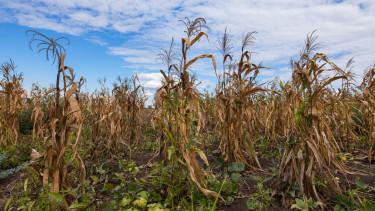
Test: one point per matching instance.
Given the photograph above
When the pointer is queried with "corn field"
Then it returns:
(307, 143)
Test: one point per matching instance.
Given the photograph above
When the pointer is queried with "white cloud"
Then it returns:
(137, 59)
(97, 40)
(150, 80)
(346, 28)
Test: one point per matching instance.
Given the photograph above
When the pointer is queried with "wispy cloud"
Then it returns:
(97, 40)
(137, 58)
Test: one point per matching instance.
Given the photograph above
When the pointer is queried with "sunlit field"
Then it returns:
(305, 142)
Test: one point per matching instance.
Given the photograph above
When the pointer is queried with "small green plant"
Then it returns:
(236, 167)
(8, 172)
(213, 208)
(356, 198)
(306, 204)
(235, 170)
(24, 202)
(262, 198)
(141, 201)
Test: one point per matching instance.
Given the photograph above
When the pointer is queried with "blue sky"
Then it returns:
(88, 59)
(119, 38)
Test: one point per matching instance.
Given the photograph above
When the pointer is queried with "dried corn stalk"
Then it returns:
(39, 99)
(235, 106)
(116, 118)
(367, 100)
(276, 114)
(62, 126)
(312, 153)
(177, 104)
(11, 103)
(63, 117)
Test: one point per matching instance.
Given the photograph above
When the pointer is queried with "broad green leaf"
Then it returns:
(236, 167)
(56, 197)
(78, 205)
(125, 201)
(143, 194)
(235, 177)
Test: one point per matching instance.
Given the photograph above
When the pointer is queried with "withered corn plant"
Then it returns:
(177, 103)
(168, 57)
(64, 118)
(276, 114)
(235, 106)
(367, 100)
(98, 111)
(341, 108)
(130, 99)
(312, 152)
(11, 96)
(208, 118)
(39, 100)
(115, 118)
